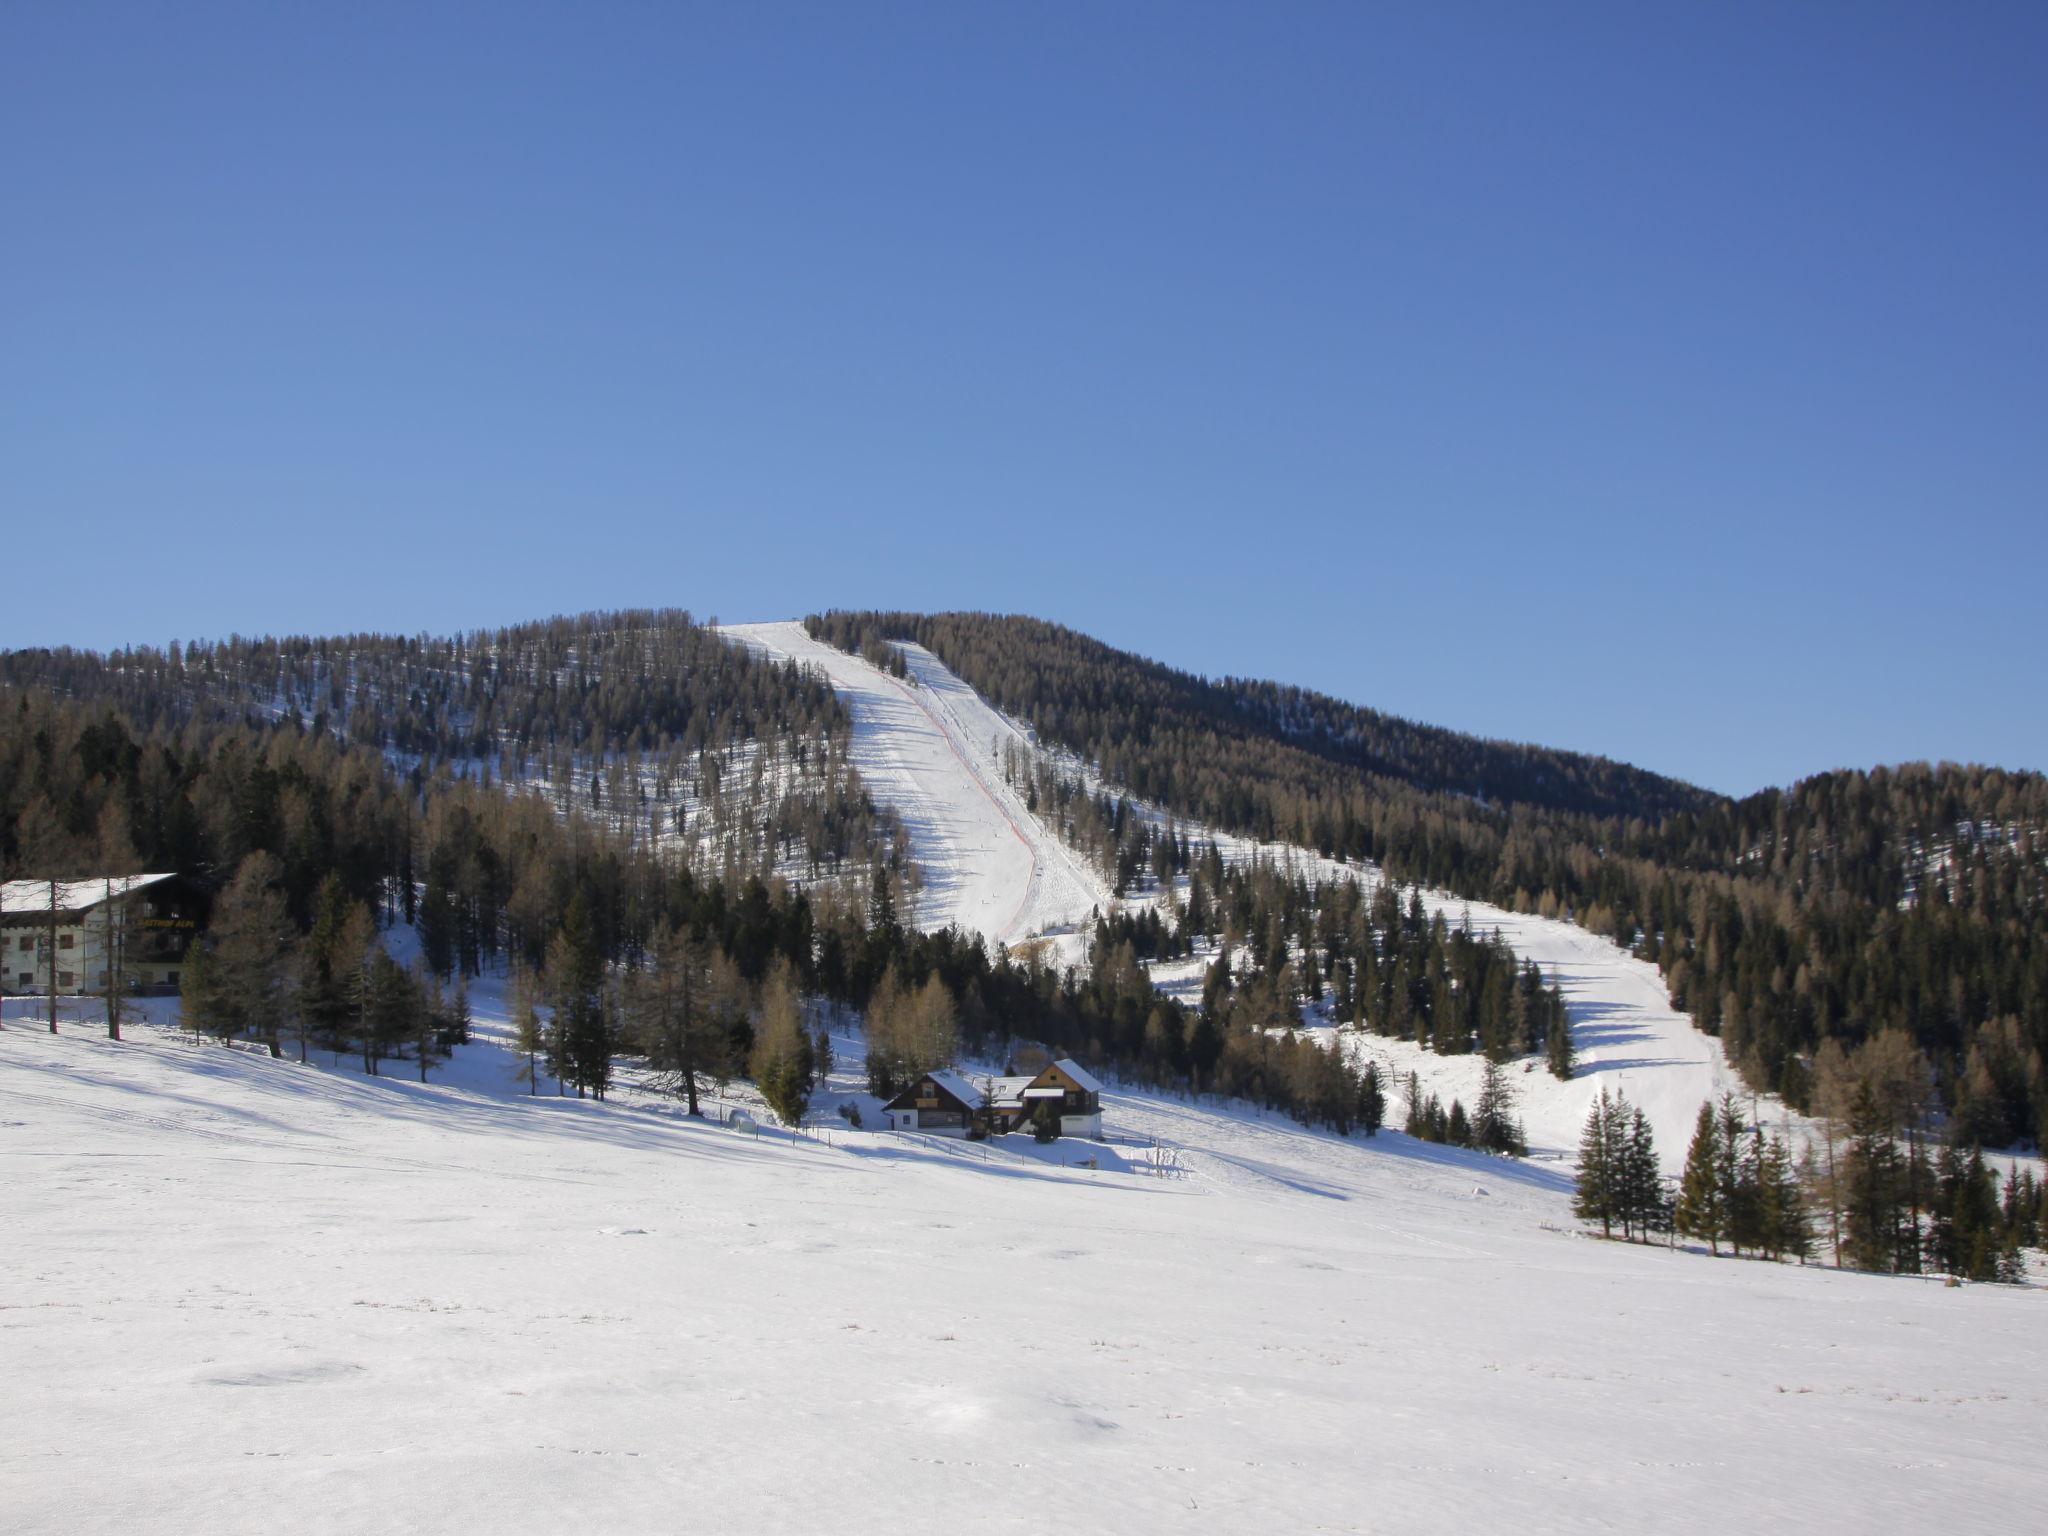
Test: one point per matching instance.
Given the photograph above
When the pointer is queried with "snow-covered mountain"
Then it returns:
(251, 1294)
(931, 748)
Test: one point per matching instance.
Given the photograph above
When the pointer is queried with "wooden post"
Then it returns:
(52, 956)
(113, 961)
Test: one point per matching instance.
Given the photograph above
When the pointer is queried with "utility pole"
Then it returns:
(51, 956)
(115, 946)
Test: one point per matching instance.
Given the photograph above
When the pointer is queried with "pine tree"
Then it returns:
(1372, 1101)
(1494, 1128)
(1874, 1187)
(1735, 1167)
(1642, 1180)
(1699, 1212)
(1595, 1197)
(1558, 1054)
(1782, 1229)
(391, 1008)
(1457, 1127)
(437, 920)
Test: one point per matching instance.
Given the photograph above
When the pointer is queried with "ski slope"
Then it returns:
(240, 1295)
(932, 751)
(923, 749)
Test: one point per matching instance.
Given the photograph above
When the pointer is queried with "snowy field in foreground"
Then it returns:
(240, 1295)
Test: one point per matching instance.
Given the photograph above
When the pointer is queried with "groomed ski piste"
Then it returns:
(240, 1294)
(932, 751)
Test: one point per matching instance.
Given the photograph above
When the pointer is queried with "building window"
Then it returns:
(67, 979)
(28, 941)
(170, 978)
(65, 940)
(27, 979)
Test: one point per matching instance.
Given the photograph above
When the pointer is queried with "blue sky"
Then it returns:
(1670, 382)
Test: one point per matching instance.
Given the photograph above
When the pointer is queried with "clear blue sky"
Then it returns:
(1666, 381)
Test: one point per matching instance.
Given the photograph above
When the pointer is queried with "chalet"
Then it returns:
(1068, 1088)
(949, 1103)
(142, 923)
(1072, 1092)
(938, 1101)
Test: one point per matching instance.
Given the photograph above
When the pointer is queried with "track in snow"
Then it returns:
(988, 865)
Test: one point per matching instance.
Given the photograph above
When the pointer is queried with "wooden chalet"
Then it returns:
(950, 1104)
(940, 1101)
(1066, 1086)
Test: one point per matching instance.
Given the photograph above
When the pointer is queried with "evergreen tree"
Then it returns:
(1642, 1181)
(1494, 1127)
(391, 1009)
(1558, 1054)
(1457, 1126)
(1372, 1102)
(1596, 1196)
(1782, 1227)
(1699, 1212)
(1875, 1230)
(1736, 1171)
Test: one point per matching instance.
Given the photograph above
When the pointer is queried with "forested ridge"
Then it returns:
(309, 844)
(625, 680)
(1906, 899)
(644, 718)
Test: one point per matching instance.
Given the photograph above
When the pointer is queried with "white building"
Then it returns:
(145, 921)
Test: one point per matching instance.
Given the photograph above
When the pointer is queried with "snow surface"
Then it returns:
(245, 1295)
(923, 749)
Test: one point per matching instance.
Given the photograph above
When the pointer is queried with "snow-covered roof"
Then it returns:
(33, 896)
(957, 1086)
(1008, 1090)
(1083, 1080)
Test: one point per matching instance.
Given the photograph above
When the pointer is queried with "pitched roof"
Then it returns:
(950, 1083)
(32, 897)
(1009, 1090)
(958, 1086)
(1083, 1079)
